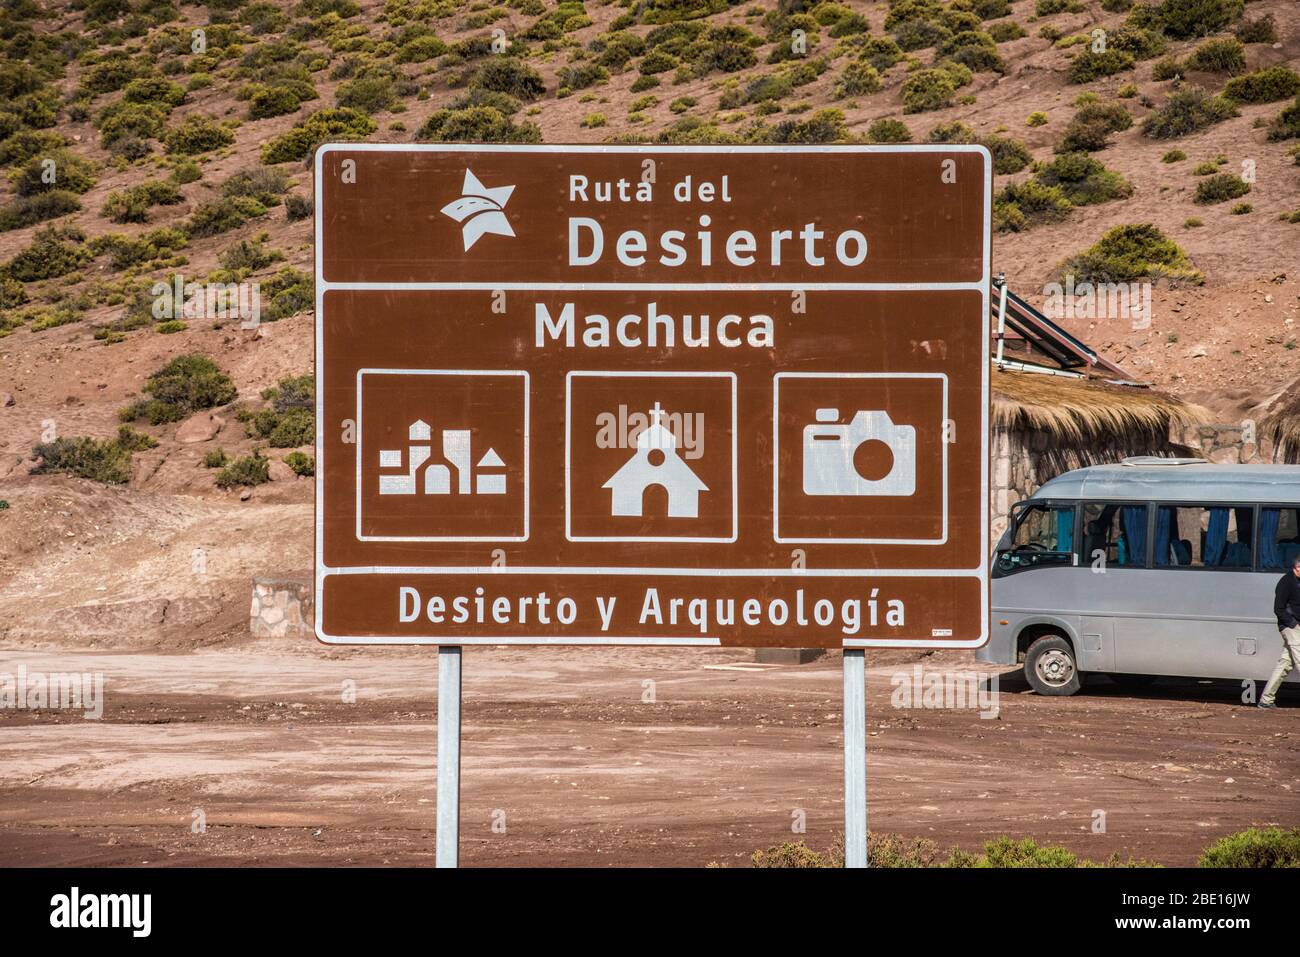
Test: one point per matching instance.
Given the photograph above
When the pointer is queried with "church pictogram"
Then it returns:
(656, 461)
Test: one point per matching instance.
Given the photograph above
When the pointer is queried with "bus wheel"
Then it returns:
(1050, 667)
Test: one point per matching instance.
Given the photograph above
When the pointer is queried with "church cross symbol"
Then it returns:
(655, 462)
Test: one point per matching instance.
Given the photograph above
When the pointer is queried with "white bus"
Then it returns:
(1145, 568)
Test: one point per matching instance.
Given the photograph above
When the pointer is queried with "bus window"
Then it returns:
(1279, 538)
(1044, 535)
(1197, 536)
(1115, 535)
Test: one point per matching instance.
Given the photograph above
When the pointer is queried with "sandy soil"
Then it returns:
(560, 746)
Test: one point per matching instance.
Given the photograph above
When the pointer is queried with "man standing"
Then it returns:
(1286, 605)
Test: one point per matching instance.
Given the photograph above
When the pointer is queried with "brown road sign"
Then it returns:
(652, 395)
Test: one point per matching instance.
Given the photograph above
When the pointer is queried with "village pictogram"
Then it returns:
(422, 474)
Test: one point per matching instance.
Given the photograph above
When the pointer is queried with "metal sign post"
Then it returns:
(447, 837)
(855, 758)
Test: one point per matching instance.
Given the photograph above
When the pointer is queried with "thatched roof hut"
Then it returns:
(1281, 423)
(1043, 425)
(1090, 416)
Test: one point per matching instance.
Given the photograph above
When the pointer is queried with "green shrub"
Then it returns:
(289, 420)
(658, 61)
(482, 124)
(54, 251)
(510, 76)
(857, 79)
(24, 144)
(215, 458)
(1006, 30)
(1090, 128)
(420, 49)
(301, 463)
(1225, 55)
(248, 470)
(58, 169)
(100, 460)
(221, 215)
(582, 75)
(197, 134)
(1263, 86)
(1194, 18)
(246, 257)
(1255, 847)
(106, 76)
(287, 293)
(1220, 188)
(1009, 155)
(824, 126)
(1005, 852)
(1187, 110)
(1260, 30)
(270, 101)
(123, 121)
(154, 89)
(373, 93)
(1241, 209)
(880, 52)
(131, 205)
(682, 104)
(1166, 68)
(888, 131)
(330, 124)
(1036, 118)
(267, 186)
(125, 252)
(30, 210)
(973, 49)
(919, 34)
(1126, 253)
(297, 207)
(1083, 180)
(1287, 124)
(926, 90)
(1022, 206)
(1143, 44)
(185, 385)
(1090, 64)
(1173, 156)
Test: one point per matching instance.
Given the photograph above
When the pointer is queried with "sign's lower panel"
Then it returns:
(792, 609)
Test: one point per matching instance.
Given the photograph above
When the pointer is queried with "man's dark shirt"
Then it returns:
(1286, 602)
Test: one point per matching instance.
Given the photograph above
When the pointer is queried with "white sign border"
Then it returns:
(980, 572)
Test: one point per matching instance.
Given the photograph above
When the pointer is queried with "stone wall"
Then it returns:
(281, 607)
(1231, 444)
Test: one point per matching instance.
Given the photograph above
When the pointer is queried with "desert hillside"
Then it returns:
(152, 461)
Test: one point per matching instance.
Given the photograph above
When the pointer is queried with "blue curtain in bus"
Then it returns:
(1065, 530)
(1270, 555)
(1134, 520)
(1216, 538)
(1164, 527)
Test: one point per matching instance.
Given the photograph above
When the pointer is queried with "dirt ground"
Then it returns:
(565, 763)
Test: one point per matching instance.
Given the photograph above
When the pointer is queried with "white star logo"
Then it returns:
(480, 210)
